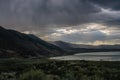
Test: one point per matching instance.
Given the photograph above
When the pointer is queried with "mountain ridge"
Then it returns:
(20, 44)
(81, 48)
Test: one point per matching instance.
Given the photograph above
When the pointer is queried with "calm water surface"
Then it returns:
(95, 56)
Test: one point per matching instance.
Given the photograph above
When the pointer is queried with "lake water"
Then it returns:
(95, 56)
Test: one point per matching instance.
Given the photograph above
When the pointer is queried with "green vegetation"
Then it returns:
(44, 69)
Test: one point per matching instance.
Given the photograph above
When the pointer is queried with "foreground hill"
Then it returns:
(13, 43)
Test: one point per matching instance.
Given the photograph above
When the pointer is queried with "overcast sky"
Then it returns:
(77, 21)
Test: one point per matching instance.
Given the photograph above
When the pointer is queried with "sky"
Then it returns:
(93, 22)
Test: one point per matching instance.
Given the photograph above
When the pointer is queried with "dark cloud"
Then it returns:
(113, 4)
(69, 12)
(115, 23)
(41, 17)
(46, 12)
(55, 12)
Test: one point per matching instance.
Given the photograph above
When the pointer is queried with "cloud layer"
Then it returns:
(90, 33)
(55, 17)
(46, 12)
(58, 12)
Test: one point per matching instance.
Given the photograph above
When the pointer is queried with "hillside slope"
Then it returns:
(14, 43)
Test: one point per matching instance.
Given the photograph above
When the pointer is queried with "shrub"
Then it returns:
(33, 75)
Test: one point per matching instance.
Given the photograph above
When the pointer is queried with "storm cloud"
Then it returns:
(55, 12)
(42, 17)
(46, 12)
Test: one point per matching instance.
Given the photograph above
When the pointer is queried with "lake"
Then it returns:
(94, 56)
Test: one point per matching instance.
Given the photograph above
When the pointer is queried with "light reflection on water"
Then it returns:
(95, 56)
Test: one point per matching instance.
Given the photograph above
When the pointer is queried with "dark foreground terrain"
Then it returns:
(44, 69)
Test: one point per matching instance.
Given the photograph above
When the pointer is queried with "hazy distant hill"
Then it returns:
(79, 48)
(13, 43)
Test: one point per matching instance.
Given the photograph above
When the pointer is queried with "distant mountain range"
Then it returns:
(16, 44)
(80, 48)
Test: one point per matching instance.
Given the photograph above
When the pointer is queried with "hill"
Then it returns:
(16, 44)
(81, 48)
